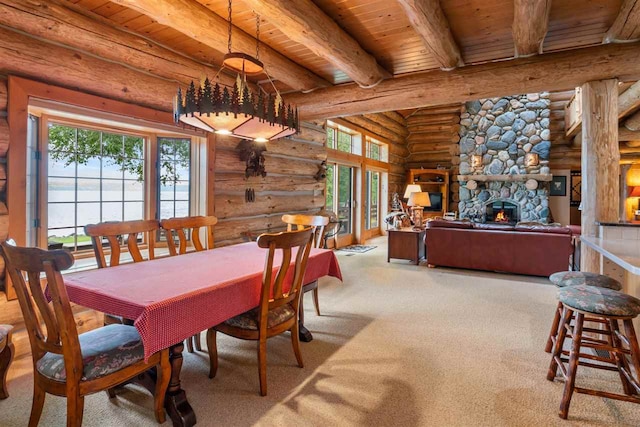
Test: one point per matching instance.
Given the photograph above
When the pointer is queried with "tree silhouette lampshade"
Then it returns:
(411, 188)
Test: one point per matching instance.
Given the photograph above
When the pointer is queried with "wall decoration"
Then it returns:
(252, 154)
(558, 186)
(322, 171)
(576, 188)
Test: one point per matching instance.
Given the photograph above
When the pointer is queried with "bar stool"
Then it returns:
(611, 306)
(574, 278)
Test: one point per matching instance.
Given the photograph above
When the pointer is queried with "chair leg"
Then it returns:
(574, 357)
(196, 341)
(37, 404)
(213, 352)
(111, 392)
(262, 365)
(6, 356)
(316, 304)
(557, 349)
(75, 410)
(554, 328)
(189, 344)
(295, 342)
(162, 383)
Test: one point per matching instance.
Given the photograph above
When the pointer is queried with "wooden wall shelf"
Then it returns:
(432, 180)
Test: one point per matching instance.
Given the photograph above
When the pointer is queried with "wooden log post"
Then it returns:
(600, 163)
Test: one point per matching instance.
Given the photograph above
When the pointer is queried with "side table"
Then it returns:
(406, 243)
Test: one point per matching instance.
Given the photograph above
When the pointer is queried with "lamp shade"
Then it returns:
(635, 191)
(411, 188)
(419, 199)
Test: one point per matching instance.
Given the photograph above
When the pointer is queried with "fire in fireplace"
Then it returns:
(502, 212)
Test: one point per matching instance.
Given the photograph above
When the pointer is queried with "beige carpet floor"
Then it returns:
(396, 345)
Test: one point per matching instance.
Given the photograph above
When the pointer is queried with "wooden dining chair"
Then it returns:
(65, 363)
(279, 303)
(120, 234)
(187, 230)
(318, 224)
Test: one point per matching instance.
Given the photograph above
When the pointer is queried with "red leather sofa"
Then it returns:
(532, 249)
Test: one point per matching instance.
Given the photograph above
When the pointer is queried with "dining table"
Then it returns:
(172, 298)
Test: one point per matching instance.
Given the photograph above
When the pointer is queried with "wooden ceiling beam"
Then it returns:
(633, 122)
(304, 22)
(626, 27)
(429, 21)
(200, 23)
(556, 71)
(530, 24)
(629, 100)
(64, 24)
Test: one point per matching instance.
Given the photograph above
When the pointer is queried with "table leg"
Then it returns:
(303, 333)
(175, 402)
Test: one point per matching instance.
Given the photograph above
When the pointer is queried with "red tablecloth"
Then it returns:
(172, 298)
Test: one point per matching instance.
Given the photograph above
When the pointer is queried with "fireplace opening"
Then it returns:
(502, 212)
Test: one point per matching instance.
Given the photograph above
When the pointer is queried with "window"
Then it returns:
(377, 150)
(372, 208)
(93, 176)
(174, 171)
(343, 139)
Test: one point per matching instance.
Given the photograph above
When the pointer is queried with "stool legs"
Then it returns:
(621, 360)
(554, 328)
(556, 362)
(574, 357)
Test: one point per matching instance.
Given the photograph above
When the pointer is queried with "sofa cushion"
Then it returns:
(538, 227)
(441, 223)
(104, 350)
(493, 226)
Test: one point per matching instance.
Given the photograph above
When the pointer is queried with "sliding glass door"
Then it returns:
(340, 199)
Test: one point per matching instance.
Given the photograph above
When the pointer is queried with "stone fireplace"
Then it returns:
(504, 158)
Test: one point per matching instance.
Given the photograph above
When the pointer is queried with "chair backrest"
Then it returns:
(189, 228)
(318, 224)
(273, 294)
(114, 231)
(59, 334)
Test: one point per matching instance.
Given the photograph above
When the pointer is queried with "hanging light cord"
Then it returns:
(230, 26)
(257, 36)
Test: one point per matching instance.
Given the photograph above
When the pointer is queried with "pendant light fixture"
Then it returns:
(236, 111)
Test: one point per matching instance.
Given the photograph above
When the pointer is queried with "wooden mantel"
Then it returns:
(506, 178)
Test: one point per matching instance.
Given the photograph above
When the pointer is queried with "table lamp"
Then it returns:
(411, 188)
(635, 192)
(418, 201)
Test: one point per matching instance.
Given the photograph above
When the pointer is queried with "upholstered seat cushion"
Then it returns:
(249, 319)
(104, 350)
(573, 278)
(4, 331)
(602, 301)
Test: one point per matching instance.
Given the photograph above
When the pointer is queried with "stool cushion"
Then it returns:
(104, 350)
(573, 278)
(4, 331)
(602, 301)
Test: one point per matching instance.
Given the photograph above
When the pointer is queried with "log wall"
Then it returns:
(289, 187)
(433, 142)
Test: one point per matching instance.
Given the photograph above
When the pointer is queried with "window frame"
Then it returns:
(151, 183)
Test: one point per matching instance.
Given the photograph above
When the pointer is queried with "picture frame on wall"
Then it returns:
(558, 186)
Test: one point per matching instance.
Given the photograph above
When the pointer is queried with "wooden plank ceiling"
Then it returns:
(482, 30)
